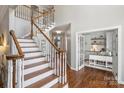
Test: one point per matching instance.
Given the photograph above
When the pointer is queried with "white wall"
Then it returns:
(22, 27)
(84, 18)
(19, 25)
(65, 28)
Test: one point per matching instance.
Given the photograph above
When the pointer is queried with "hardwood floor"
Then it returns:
(1, 85)
(91, 78)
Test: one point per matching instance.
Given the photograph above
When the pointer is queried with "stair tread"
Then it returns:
(36, 73)
(29, 58)
(42, 82)
(35, 64)
(58, 85)
(27, 42)
(29, 46)
(32, 51)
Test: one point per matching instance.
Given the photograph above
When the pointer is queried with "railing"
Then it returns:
(23, 12)
(55, 55)
(45, 17)
(15, 64)
(40, 22)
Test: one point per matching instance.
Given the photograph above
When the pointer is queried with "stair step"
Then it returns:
(47, 82)
(35, 68)
(30, 58)
(35, 60)
(25, 40)
(37, 76)
(32, 55)
(34, 74)
(27, 44)
(30, 49)
(35, 64)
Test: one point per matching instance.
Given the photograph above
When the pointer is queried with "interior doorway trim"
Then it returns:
(119, 28)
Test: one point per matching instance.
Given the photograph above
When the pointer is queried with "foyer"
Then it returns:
(38, 46)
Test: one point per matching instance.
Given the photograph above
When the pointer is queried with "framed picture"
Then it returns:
(1, 39)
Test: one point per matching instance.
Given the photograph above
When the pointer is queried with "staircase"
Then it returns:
(37, 71)
(36, 62)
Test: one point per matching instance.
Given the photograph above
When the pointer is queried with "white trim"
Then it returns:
(114, 76)
(32, 61)
(80, 67)
(119, 27)
(119, 52)
(121, 82)
(26, 35)
(100, 29)
(72, 68)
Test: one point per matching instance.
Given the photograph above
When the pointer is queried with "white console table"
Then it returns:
(100, 62)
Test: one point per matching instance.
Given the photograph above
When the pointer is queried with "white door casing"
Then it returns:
(119, 28)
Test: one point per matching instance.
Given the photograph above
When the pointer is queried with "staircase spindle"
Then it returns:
(14, 73)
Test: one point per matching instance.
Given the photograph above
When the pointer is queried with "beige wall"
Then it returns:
(84, 18)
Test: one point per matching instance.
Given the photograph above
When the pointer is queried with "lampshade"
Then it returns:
(4, 49)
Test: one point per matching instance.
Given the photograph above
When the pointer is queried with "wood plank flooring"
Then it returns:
(1, 85)
(91, 78)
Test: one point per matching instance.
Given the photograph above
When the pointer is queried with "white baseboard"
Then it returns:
(115, 76)
(81, 67)
(72, 67)
(121, 82)
(26, 35)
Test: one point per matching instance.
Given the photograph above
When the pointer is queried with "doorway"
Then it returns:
(59, 39)
(83, 59)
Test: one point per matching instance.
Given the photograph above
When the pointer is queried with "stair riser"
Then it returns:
(29, 55)
(30, 49)
(25, 40)
(33, 69)
(50, 84)
(27, 44)
(37, 78)
(32, 61)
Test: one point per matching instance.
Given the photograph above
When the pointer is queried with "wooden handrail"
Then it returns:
(50, 41)
(20, 52)
(44, 14)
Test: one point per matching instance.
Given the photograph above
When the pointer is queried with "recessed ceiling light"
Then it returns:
(58, 32)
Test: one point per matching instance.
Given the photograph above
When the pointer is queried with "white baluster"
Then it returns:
(10, 70)
(18, 71)
(22, 73)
